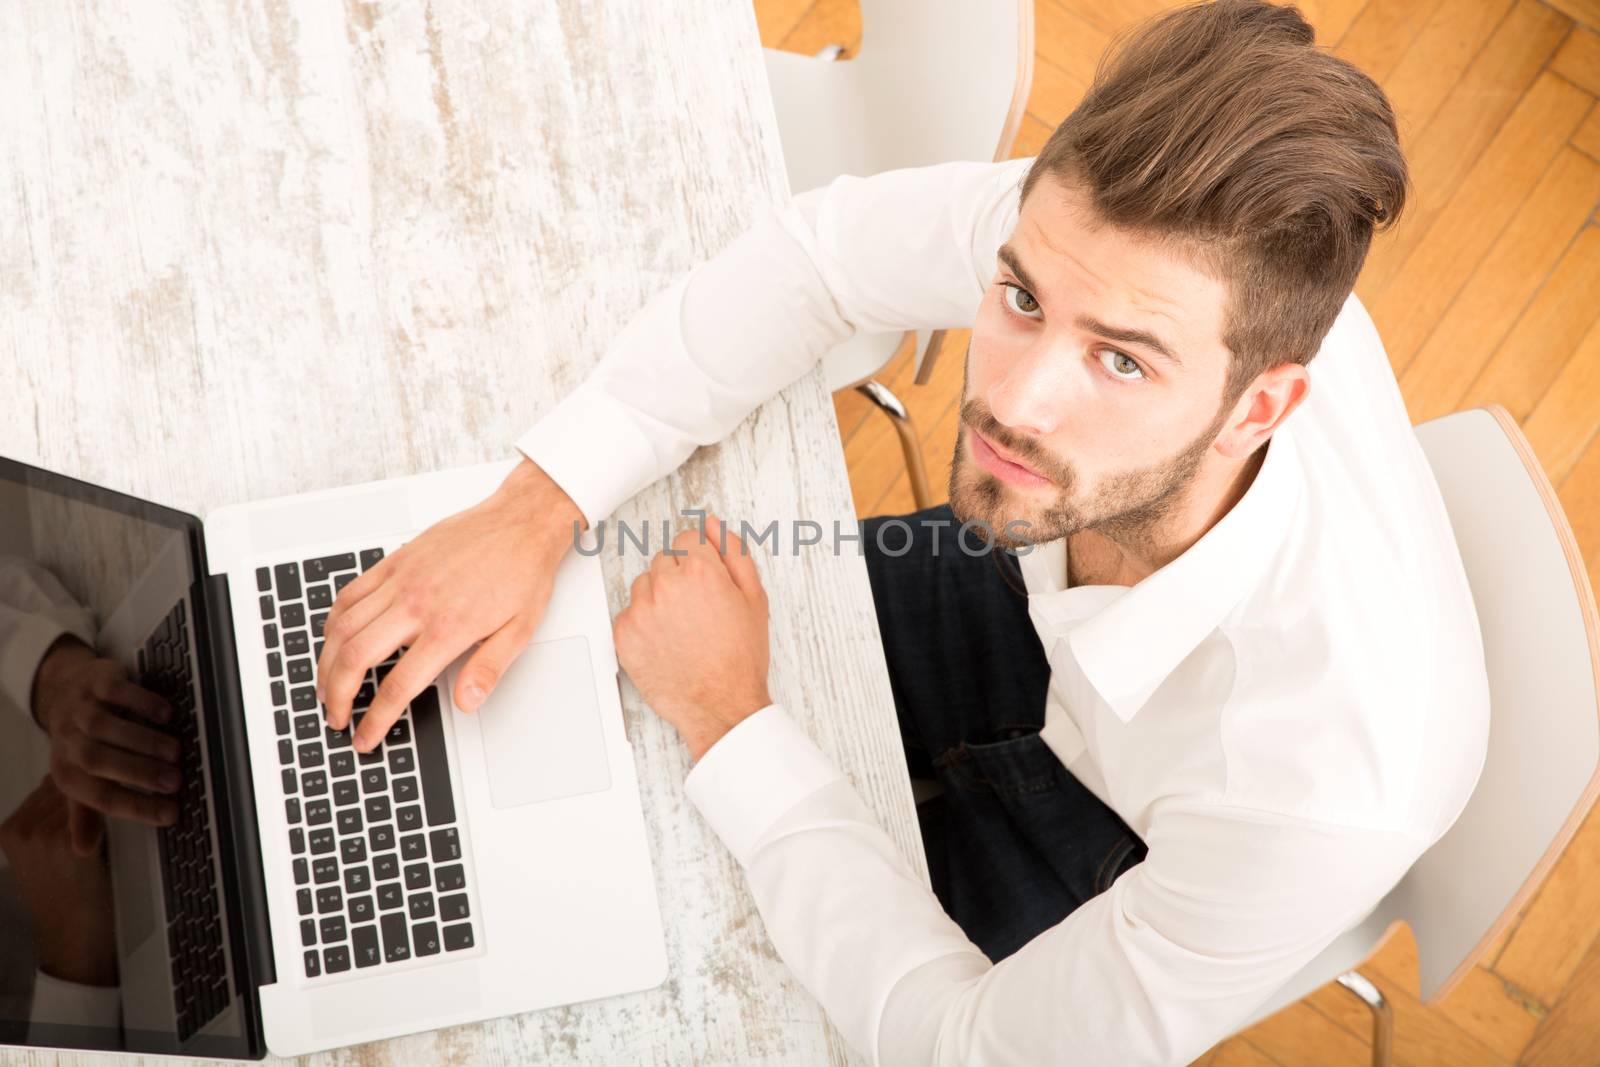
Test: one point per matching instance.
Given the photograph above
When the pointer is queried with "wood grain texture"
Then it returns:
(262, 248)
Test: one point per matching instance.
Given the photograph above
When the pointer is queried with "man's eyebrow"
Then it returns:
(1142, 338)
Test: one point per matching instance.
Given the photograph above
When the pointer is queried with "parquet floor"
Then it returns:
(1487, 291)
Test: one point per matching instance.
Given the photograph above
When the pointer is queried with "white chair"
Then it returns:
(1541, 639)
(936, 80)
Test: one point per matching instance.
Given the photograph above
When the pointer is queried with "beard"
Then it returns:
(1128, 508)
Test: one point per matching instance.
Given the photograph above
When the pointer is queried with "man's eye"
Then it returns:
(1021, 301)
(1121, 361)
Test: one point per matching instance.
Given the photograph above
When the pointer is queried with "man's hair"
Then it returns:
(1222, 131)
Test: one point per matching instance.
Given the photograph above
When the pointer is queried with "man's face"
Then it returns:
(1068, 421)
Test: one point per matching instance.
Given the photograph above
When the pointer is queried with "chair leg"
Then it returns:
(1382, 1016)
(890, 405)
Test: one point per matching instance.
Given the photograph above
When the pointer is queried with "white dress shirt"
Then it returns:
(1287, 714)
(34, 610)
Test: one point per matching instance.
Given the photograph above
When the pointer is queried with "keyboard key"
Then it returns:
(318, 812)
(408, 817)
(303, 900)
(280, 721)
(436, 794)
(404, 790)
(336, 959)
(420, 905)
(349, 821)
(345, 792)
(401, 761)
(266, 609)
(417, 876)
(304, 698)
(357, 880)
(337, 739)
(300, 671)
(263, 579)
(275, 665)
(377, 809)
(449, 879)
(269, 634)
(319, 597)
(342, 764)
(381, 837)
(291, 616)
(457, 937)
(308, 932)
(390, 896)
(425, 936)
(302, 872)
(329, 899)
(318, 620)
(313, 964)
(280, 694)
(373, 780)
(288, 576)
(353, 850)
(367, 759)
(296, 643)
(291, 810)
(399, 733)
(385, 866)
(319, 569)
(307, 727)
(314, 783)
(321, 841)
(413, 847)
(446, 844)
(364, 696)
(370, 557)
(343, 580)
(297, 840)
(291, 784)
(332, 929)
(361, 909)
(325, 870)
(364, 944)
(395, 945)
(310, 756)
(453, 907)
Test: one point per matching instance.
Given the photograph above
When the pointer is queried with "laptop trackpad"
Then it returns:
(541, 727)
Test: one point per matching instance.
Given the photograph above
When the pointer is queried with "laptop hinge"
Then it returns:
(241, 839)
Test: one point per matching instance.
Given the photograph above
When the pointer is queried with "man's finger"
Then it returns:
(336, 632)
(415, 671)
(356, 591)
(114, 800)
(86, 828)
(104, 761)
(489, 663)
(134, 697)
(358, 655)
(741, 565)
(105, 726)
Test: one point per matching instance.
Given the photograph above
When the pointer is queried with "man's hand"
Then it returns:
(484, 574)
(68, 896)
(95, 753)
(694, 636)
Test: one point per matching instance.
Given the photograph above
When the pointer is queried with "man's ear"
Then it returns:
(1257, 414)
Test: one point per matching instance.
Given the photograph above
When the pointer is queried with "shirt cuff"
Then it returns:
(21, 655)
(753, 775)
(590, 445)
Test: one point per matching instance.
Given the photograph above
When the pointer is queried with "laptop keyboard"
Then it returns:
(377, 852)
(188, 876)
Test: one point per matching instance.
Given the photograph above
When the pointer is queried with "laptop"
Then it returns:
(309, 896)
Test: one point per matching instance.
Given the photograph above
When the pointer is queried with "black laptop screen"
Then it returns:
(112, 911)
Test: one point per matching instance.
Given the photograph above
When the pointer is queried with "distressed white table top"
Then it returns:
(258, 248)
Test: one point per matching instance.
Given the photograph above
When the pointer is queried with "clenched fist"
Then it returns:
(694, 636)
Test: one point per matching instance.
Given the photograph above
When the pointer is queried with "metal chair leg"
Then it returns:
(890, 405)
(1382, 1016)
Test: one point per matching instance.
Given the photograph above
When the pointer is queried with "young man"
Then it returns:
(1226, 692)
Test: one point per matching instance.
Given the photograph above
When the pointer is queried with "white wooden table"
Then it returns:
(258, 248)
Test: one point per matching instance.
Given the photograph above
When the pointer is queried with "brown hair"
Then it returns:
(1221, 130)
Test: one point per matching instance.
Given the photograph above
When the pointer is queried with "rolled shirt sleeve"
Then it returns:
(902, 250)
(1176, 955)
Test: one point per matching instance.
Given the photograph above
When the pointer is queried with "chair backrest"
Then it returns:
(935, 80)
(1541, 640)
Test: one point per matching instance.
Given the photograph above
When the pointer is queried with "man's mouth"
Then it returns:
(1002, 464)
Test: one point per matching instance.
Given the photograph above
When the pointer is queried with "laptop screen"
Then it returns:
(113, 916)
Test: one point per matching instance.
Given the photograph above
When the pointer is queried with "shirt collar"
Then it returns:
(1128, 639)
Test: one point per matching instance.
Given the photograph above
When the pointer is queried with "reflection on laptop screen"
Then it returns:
(112, 927)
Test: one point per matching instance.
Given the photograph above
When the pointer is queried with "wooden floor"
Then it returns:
(1487, 291)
